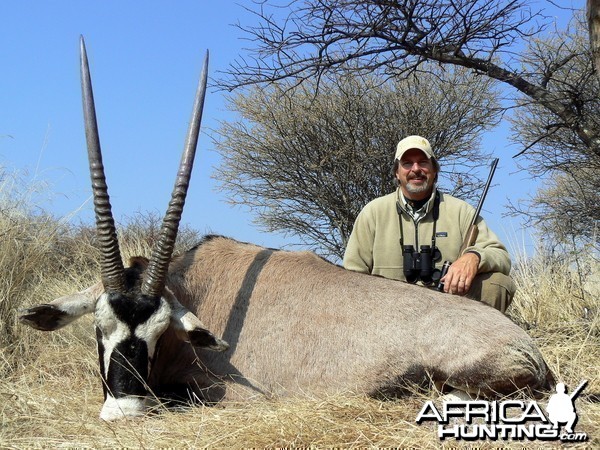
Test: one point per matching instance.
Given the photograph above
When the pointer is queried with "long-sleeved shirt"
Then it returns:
(374, 244)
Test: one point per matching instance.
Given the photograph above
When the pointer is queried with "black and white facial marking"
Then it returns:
(128, 326)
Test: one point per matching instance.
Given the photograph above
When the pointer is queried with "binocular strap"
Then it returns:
(436, 215)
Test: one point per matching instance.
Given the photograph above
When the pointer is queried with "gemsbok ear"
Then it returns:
(189, 328)
(62, 311)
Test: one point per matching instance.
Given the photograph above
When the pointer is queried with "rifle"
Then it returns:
(473, 230)
(578, 390)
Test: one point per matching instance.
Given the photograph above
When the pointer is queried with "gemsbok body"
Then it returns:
(273, 323)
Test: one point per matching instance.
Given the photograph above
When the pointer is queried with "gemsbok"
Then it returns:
(274, 323)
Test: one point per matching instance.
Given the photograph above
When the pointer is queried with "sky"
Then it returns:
(145, 60)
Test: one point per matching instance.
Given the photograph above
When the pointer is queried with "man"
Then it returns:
(419, 214)
(561, 409)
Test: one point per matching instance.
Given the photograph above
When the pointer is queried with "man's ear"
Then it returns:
(189, 328)
(62, 311)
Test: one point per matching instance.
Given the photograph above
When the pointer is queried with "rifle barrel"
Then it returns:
(578, 390)
(485, 190)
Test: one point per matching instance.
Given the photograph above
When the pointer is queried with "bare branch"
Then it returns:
(395, 38)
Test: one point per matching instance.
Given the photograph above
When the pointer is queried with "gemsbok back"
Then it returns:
(289, 322)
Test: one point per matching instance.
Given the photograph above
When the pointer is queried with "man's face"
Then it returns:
(416, 175)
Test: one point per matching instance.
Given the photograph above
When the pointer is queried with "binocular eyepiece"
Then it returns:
(421, 265)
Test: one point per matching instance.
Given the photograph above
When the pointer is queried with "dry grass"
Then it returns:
(50, 394)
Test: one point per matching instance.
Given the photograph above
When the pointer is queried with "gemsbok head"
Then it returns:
(135, 308)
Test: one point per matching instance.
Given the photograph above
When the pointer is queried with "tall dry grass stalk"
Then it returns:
(560, 307)
(50, 392)
(40, 257)
(552, 290)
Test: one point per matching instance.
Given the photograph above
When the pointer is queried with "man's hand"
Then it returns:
(461, 273)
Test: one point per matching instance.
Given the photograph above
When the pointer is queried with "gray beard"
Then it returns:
(418, 189)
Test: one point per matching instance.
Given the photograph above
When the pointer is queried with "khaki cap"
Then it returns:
(414, 142)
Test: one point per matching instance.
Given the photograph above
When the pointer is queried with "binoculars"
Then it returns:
(420, 266)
